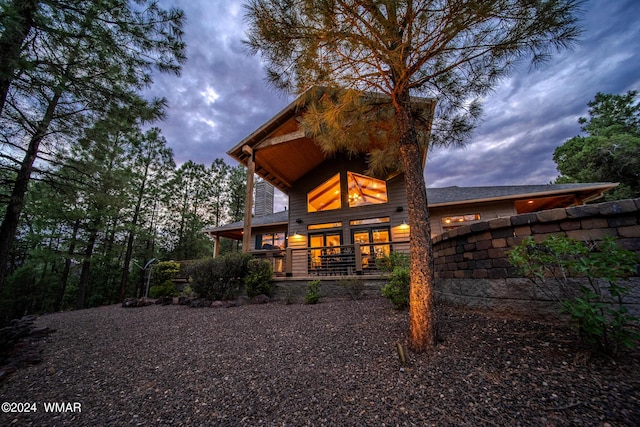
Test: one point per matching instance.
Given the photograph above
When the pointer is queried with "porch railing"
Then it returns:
(357, 258)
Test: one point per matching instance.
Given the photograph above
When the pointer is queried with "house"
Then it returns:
(340, 219)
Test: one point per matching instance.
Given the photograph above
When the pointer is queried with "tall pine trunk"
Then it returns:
(129, 253)
(11, 219)
(83, 285)
(67, 266)
(134, 223)
(422, 315)
(15, 31)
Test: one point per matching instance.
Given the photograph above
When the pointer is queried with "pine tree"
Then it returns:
(82, 59)
(610, 150)
(453, 51)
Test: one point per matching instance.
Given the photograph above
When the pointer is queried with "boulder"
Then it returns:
(164, 301)
(199, 303)
(260, 299)
(132, 303)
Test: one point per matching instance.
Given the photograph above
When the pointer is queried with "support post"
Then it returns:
(216, 247)
(248, 200)
(358, 255)
(288, 262)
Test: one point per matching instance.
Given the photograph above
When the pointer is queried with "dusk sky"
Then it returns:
(221, 96)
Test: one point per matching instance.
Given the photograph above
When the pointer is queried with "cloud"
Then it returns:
(526, 117)
(220, 96)
(533, 112)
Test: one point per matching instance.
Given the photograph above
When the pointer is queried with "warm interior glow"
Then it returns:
(361, 190)
(458, 220)
(326, 196)
(324, 225)
(367, 221)
(364, 190)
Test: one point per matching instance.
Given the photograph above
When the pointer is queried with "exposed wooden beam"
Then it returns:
(287, 137)
(248, 199)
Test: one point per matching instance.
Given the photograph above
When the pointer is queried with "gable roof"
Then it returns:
(282, 152)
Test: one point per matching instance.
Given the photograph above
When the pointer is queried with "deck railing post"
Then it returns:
(358, 255)
(288, 262)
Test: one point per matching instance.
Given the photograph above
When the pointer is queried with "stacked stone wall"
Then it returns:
(472, 266)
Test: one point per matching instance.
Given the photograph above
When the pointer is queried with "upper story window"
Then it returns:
(364, 190)
(326, 196)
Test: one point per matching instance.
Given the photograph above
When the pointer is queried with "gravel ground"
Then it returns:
(334, 363)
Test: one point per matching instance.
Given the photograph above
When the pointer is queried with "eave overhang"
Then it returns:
(282, 152)
(531, 198)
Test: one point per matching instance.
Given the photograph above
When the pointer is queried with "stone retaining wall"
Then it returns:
(471, 262)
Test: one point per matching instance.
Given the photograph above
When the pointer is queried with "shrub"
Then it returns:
(595, 303)
(288, 295)
(313, 292)
(163, 271)
(397, 289)
(353, 286)
(393, 260)
(95, 300)
(258, 279)
(166, 289)
(219, 278)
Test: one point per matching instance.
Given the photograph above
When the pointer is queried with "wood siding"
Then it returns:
(298, 199)
(487, 211)
(300, 219)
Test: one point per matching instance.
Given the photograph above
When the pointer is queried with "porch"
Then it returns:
(326, 262)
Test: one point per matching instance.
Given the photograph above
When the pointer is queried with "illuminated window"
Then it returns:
(325, 225)
(364, 190)
(271, 241)
(458, 220)
(326, 196)
(369, 221)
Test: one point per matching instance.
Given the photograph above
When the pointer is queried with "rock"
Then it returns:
(164, 301)
(260, 299)
(217, 304)
(199, 303)
(138, 302)
(131, 303)
(18, 344)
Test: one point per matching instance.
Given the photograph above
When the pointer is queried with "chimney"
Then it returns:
(263, 199)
